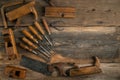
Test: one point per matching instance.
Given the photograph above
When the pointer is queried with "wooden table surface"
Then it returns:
(94, 32)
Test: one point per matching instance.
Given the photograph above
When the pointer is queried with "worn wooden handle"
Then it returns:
(25, 47)
(29, 42)
(46, 26)
(85, 71)
(37, 25)
(27, 34)
(32, 29)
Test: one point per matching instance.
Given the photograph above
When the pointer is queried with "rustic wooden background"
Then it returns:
(94, 32)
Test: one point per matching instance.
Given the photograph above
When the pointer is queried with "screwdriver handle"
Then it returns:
(37, 25)
(27, 34)
(46, 26)
(32, 29)
(29, 43)
(25, 47)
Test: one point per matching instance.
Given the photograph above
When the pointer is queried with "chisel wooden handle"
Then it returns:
(29, 43)
(25, 47)
(32, 29)
(27, 34)
(46, 26)
(37, 25)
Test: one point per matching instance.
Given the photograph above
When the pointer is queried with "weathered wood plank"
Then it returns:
(102, 12)
(85, 42)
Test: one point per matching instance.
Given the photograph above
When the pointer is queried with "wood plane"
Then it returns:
(10, 44)
(15, 72)
(22, 11)
(64, 12)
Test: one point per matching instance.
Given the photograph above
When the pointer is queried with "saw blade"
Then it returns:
(34, 65)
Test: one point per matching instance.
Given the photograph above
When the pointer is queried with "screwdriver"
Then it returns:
(31, 50)
(34, 46)
(27, 34)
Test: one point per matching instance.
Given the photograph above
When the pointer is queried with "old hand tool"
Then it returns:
(63, 12)
(32, 29)
(5, 6)
(49, 33)
(15, 72)
(46, 26)
(31, 37)
(10, 44)
(35, 65)
(71, 69)
(40, 39)
(87, 70)
(41, 30)
(35, 47)
(33, 51)
(22, 11)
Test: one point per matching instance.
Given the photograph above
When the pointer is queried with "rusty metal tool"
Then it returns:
(15, 72)
(10, 44)
(32, 50)
(22, 11)
(5, 6)
(35, 47)
(41, 30)
(28, 35)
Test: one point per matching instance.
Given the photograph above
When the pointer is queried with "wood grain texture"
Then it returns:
(93, 12)
(85, 42)
(94, 32)
(111, 72)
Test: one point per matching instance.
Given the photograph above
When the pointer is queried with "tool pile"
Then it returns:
(37, 40)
